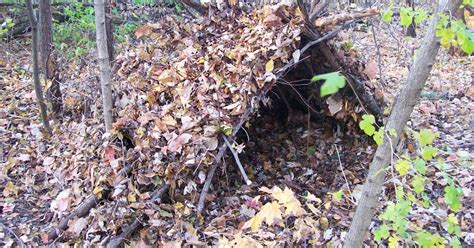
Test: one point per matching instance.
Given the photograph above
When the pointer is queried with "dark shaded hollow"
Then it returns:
(272, 137)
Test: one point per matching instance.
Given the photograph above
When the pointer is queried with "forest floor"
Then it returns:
(35, 171)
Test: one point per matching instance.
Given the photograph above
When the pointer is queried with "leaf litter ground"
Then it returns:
(163, 123)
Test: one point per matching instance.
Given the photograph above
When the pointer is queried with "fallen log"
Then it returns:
(81, 211)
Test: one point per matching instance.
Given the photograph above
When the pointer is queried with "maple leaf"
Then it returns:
(282, 197)
(294, 208)
(271, 213)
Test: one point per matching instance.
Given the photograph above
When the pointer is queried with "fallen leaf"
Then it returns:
(371, 69)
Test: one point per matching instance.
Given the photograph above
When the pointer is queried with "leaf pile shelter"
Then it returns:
(189, 89)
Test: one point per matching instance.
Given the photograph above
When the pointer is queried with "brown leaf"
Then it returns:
(371, 69)
(272, 20)
(176, 144)
(144, 30)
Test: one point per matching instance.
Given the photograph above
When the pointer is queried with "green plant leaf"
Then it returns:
(311, 150)
(406, 16)
(381, 232)
(366, 124)
(402, 166)
(420, 166)
(332, 83)
(455, 243)
(338, 195)
(378, 136)
(420, 15)
(426, 137)
(429, 152)
(452, 197)
(452, 225)
(387, 15)
(428, 240)
(418, 184)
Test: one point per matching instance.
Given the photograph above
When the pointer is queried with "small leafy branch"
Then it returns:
(6, 25)
(396, 218)
(452, 32)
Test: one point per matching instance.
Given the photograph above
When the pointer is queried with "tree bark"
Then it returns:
(104, 63)
(109, 30)
(36, 78)
(53, 93)
(399, 116)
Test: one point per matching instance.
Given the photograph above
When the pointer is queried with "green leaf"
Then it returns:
(452, 197)
(403, 208)
(367, 124)
(333, 82)
(381, 232)
(338, 195)
(468, 46)
(387, 15)
(402, 166)
(443, 21)
(311, 150)
(406, 16)
(420, 16)
(447, 36)
(378, 136)
(429, 152)
(455, 243)
(399, 193)
(226, 130)
(467, 3)
(426, 200)
(420, 166)
(418, 184)
(426, 137)
(390, 213)
(428, 240)
(452, 225)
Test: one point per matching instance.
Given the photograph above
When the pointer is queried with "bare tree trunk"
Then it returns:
(53, 93)
(399, 116)
(109, 30)
(36, 79)
(104, 63)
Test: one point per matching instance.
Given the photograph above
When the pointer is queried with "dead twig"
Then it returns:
(237, 160)
(344, 175)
